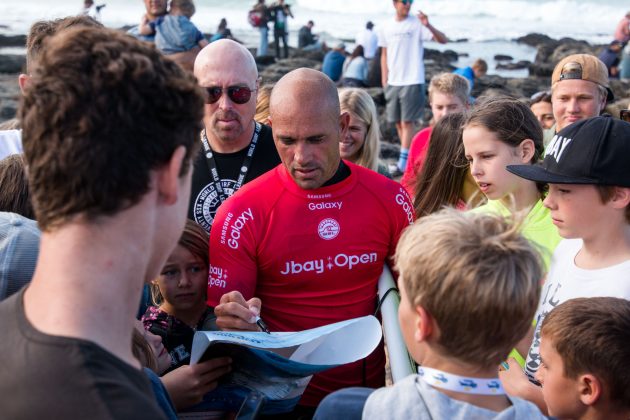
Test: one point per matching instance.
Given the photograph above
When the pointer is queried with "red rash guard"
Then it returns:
(312, 256)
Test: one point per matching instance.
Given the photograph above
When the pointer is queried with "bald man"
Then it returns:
(305, 244)
(235, 149)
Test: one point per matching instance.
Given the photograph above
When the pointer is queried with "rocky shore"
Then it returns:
(549, 52)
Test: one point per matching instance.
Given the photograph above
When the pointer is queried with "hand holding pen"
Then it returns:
(237, 314)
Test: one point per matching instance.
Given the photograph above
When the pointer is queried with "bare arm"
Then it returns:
(145, 28)
(438, 36)
(384, 69)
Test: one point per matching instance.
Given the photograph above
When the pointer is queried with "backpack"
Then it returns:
(255, 18)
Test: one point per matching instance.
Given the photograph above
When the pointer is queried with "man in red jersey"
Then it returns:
(309, 238)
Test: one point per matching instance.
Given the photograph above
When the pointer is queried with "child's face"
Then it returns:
(561, 394)
(576, 210)
(162, 357)
(351, 144)
(488, 156)
(443, 104)
(183, 282)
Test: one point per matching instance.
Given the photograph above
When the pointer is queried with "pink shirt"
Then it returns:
(415, 162)
(312, 256)
(622, 32)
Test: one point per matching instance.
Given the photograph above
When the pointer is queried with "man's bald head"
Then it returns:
(305, 86)
(307, 126)
(227, 64)
(224, 54)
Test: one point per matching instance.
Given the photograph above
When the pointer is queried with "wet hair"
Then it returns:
(441, 180)
(195, 239)
(476, 276)
(361, 105)
(44, 29)
(591, 335)
(101, 112)
(450, 84)
(14, 192)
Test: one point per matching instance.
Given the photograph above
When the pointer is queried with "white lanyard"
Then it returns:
(450, 382)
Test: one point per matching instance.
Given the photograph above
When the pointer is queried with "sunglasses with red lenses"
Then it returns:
(237, 94)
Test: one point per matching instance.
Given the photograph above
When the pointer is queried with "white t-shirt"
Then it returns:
(566, 281)
(368, 39)
(405, 52)
(10, 142)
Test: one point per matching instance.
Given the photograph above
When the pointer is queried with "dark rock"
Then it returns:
(464, 54)
(442, 58)
(527, 86)
(503, 57)
(533, 39)
(460, 40)
(265, 60)
(389, 150)
(378, 96)
(12, 40)
(12, 63)
(274, 72)
(523, 64)
(564, 50)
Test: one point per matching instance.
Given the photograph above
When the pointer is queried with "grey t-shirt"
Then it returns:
(52, 377)
(414, 398)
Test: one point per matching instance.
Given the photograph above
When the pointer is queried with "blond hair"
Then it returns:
(449, 84)
(262, 104)
(477, 276)
(360, 103)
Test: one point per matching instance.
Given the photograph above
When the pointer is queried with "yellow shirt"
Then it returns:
(537, 226)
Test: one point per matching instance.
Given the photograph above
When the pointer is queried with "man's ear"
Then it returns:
(527, 150)
(425, 324)
(269, 122)
(168, 177)
(621, 198)
(590, 388)
(23, 80)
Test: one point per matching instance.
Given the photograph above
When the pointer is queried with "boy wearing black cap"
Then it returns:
(586, 168)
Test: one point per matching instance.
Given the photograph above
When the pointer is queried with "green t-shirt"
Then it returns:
(537, 226)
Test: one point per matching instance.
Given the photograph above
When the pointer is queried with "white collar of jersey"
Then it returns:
(450, 382)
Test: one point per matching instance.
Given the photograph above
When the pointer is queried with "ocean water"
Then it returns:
(489, 26)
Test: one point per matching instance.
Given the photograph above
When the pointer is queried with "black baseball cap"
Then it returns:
(592, 151)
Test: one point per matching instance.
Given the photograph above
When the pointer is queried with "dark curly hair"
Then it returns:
(101, 112)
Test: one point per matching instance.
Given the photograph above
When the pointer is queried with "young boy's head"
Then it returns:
(448, 93)
(469, 286)
(182, 7)
(586, 167)
(480, 67)
(585, 356)
(102, 114)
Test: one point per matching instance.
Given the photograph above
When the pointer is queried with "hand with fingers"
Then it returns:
(237, 314)
(424, 19)
(187, 384)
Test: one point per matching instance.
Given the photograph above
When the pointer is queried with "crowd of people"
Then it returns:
(160, 191)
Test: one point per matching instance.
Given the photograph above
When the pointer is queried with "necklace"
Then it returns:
(450, 382)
